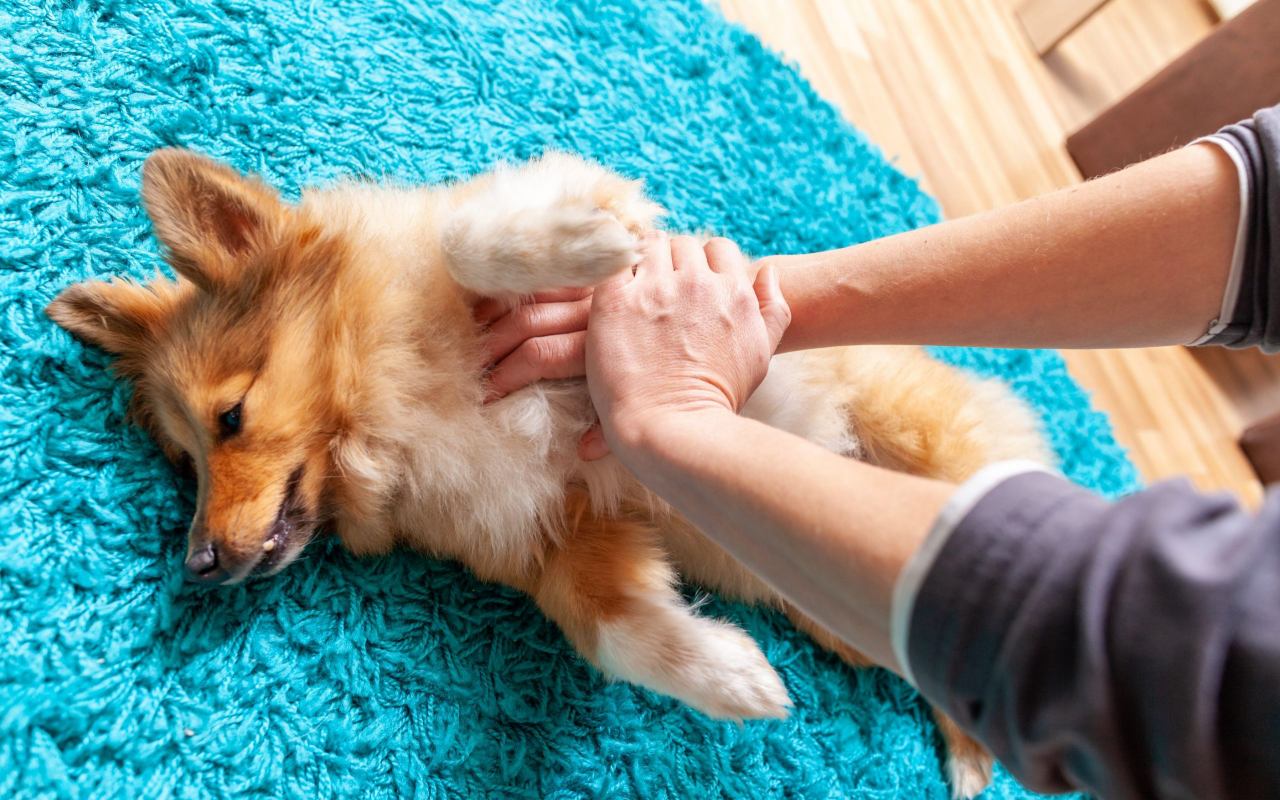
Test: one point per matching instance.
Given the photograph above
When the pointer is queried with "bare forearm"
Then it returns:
(1137, 258)
(830, 534)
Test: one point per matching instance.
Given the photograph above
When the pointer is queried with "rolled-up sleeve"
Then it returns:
(1131, 649)
(1250, 313)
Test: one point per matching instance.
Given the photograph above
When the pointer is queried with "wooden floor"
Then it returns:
(954, 93)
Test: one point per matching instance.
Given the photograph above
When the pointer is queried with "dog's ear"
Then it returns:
(208, 215)
(120, 316)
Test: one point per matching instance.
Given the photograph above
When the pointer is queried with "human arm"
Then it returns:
(830, 533)
(1158, 253)
(673, 353)
(1128, 649)
(1141, 257)
(1178, 249)
(1136, 258)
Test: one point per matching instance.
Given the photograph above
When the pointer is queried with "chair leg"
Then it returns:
(1048, 22)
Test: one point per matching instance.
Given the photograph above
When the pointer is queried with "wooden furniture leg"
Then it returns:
(1048, 22)
(1261, 444)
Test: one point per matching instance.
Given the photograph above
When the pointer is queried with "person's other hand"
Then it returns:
(692, 329)
(541, 339)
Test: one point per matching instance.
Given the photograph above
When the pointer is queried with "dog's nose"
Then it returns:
(202, 566)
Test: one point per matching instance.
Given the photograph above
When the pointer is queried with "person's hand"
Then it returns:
(692, 329)
(538, 340)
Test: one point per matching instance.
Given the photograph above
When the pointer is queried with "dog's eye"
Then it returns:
(229, 421)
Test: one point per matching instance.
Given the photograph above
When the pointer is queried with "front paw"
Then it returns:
(559, 221)
(587, 245)
(504, 251)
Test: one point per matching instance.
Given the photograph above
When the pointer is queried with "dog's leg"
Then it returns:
(555, 222)
(611, 590)
(969, 765)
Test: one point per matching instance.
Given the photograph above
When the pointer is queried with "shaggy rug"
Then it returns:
(396, 676)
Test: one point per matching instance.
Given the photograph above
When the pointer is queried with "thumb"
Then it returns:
(773, 306)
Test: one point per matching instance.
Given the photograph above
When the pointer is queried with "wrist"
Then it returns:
(837, 296)
(658, 434)
(810, 285)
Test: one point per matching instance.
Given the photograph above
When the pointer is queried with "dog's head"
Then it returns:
(235, 369)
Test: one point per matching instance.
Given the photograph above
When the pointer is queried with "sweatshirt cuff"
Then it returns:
(907, 586)
(1231, 295)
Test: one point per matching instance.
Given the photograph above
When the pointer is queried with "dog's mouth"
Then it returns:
(290, 530)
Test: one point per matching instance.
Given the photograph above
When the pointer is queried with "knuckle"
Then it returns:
(552, 354)
(699, 287)
(535, 352)
(663, 294)
(527, 319)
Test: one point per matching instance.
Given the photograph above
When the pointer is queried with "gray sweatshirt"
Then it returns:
(1130, 649)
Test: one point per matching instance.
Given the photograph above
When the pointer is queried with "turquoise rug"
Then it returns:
(395, 676)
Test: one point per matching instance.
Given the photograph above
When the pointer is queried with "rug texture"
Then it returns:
(396, 676)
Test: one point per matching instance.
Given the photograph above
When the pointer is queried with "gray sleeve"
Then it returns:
(1130, 649)
(1255, 314)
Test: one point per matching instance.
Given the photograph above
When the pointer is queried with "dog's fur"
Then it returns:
(342, 326)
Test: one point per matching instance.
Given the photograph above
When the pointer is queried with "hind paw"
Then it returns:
(740, 684)
(710, 665)
(968, 774)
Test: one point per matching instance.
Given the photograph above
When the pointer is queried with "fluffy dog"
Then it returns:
(318, 367)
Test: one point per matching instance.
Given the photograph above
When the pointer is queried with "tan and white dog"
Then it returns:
(318, 365)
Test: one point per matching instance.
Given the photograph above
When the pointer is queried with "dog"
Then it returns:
(317, 365)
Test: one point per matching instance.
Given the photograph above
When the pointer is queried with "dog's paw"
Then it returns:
(559, 221)
(736, 681)
(589, 185)
(712, 666)
(968, 773)
(588, 244)
(969, 765)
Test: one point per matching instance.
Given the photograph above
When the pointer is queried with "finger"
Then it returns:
(545, 358)
(773, 306)
(592, 446)
(532, 321)
(723, 256)
(687, 254)
(489, 309)
(655, 255)
(562, 295)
